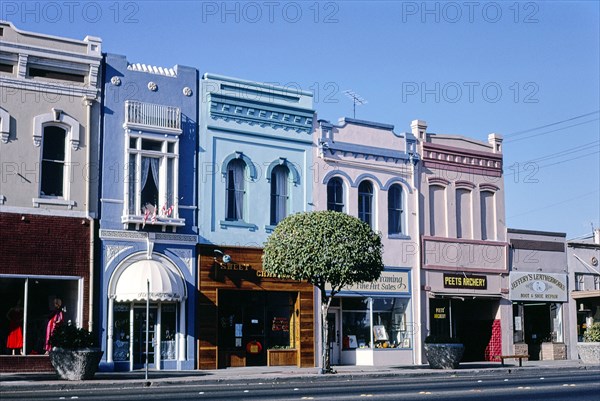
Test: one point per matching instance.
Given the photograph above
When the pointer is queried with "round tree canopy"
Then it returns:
(324, 247)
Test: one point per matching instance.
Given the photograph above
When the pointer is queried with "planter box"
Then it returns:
(282, 357)
(76, 364)
(554, 351)
(444, 356)
(589, 353)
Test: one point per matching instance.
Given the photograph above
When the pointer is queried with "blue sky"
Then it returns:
(527, 70)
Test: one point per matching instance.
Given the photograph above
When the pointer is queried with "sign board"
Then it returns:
(547, 287)
(390, 281)
(465, 281)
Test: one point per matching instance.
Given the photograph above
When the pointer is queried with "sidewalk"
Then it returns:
(27, 381)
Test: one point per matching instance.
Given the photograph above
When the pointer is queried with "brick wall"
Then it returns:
(43, 245)
(35, 363)
(494, 347)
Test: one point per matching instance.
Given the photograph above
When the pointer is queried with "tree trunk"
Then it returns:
(326, 360)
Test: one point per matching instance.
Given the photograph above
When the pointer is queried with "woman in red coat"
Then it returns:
(15, 328)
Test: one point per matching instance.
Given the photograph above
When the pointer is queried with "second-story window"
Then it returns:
(335, 195)
(279, 194)
(365, 202)
(53, 162)
(152, 185)
(395, 210)
(234, 207)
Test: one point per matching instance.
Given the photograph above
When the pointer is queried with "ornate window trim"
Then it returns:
(4, 125)
(59, 118)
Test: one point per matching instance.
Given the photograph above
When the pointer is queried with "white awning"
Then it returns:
(165, 284)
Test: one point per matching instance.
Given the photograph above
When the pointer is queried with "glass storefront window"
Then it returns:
(391, 326)
(390, 323)
(168, 331)
(121, 332)
(30, 301)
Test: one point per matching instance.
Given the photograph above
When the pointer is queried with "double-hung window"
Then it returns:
(236, 172)
(152, 177)
(335, 195)
(395, 210)
(53, 161)
(365, 202)
(279, 193)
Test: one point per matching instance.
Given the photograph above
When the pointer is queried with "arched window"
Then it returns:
(437, 211)
(365, 202)
(235, 190)
(395, 210)
(53, 161)
(279, 193)
(335, 195)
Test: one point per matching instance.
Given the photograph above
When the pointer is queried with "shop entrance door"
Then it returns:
(139, 336)
(333, 325)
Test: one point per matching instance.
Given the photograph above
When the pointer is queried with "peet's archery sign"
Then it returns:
(465, 281)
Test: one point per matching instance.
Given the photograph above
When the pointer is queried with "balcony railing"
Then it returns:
(148, 115)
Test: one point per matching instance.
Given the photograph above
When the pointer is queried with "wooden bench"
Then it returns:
(519, 357)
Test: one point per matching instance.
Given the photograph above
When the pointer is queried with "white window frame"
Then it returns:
(163, 155)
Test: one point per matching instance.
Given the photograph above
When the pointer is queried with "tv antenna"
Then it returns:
(356, 99)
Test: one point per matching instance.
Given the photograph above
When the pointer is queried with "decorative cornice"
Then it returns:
(365, 152)
(256, 113)
(150, 69)
(449, 157)
(120, 235)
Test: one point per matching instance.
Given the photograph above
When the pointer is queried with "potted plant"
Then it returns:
(589, 349)
(443, 352)
(74, 354)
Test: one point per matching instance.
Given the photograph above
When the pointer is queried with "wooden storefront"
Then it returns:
(245, 318)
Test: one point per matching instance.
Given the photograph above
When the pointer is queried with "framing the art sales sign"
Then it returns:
(392, 281)
(546, 287)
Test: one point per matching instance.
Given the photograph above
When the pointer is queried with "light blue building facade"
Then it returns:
(148, 221)
(255, 159)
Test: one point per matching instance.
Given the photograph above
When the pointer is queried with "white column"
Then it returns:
(181, 333)
(131, 333)
(157, 330)
(109, 331)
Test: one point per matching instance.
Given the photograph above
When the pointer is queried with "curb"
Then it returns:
(28, 386)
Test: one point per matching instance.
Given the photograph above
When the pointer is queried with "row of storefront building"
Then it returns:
(116, 174)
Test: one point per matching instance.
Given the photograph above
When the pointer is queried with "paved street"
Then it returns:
(560, 381)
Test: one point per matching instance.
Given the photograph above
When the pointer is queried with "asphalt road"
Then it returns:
(564, 385)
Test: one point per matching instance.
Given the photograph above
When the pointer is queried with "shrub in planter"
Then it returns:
(443, 352)
(589, 350)
(74, 354)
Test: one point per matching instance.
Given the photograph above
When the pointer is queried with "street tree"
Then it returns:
(328, 249)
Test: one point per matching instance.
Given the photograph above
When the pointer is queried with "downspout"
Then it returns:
(88, 102)
(417, 357)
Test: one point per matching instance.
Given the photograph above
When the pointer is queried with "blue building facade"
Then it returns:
(148, 226)
(255, 159)
(255, 168)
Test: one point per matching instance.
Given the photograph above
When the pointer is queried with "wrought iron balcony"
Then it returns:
(152, 116)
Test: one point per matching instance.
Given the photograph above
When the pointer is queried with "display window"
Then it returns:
(383, 323)
(33, 307)
(129, 332)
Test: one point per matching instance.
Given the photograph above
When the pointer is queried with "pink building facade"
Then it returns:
(367, 170)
